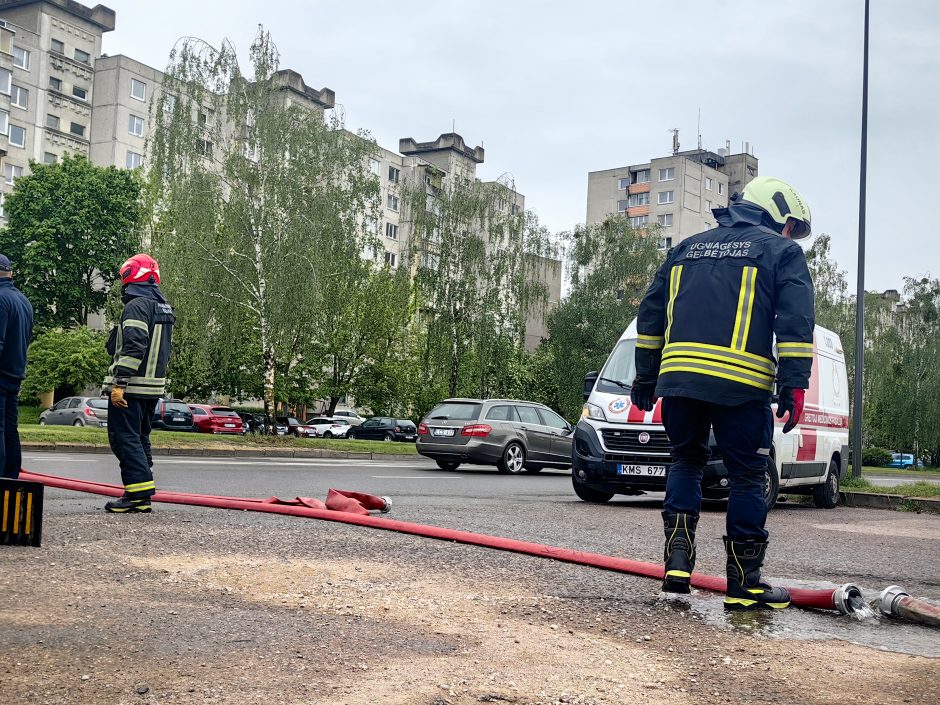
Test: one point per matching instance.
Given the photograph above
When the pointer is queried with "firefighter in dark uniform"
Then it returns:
(140, 347)
(705, 344)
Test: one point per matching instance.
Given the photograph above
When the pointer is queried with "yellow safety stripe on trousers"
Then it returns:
(720, 354)
(650, 342)
(716, 369)
(155, 341)
(134, 323)
(675, 275)
(742, 321)
(141, 486)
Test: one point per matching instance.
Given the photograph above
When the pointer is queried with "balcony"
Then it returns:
(638, 210)
(638, 188)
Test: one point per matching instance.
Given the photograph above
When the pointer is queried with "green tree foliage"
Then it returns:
(612, 266)
(70, 225)
(65, 359)
(258, 205)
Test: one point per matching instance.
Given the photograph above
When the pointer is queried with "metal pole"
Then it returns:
(860, 295)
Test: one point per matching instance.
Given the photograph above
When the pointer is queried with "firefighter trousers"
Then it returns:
(129, 437)
(11, 455)
(744, 434)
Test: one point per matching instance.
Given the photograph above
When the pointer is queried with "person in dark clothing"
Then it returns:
(140, 346)
(16, 328)
(707, 331)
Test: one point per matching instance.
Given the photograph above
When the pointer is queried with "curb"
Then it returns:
(230, 452)
(871, 500)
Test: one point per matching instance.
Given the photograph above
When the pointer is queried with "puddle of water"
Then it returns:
(868, 628)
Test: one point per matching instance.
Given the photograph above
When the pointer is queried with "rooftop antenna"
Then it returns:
(453, 125)
(700, 129)
(675, 139)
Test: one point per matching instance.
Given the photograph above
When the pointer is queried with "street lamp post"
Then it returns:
(860, 295)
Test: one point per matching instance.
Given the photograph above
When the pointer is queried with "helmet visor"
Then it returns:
(801, 229)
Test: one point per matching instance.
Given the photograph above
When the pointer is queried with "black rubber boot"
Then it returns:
(126, 505)
(679, 553)
(746, 590)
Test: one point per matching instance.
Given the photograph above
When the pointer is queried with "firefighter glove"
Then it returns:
(643, 395)
(790, 401)
(117, 397)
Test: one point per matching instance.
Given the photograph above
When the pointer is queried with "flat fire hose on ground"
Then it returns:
(845, 599)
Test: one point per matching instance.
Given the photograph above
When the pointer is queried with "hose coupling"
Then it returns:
(845, 595)
(889, 598)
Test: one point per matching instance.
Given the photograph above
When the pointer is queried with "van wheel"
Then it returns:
(447, 464)
(590, 495)
(771, 484)
(826, 495)
(513, 459)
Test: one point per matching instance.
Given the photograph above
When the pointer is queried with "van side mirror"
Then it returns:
(590, 379)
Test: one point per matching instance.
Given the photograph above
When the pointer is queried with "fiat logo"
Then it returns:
(644, 438)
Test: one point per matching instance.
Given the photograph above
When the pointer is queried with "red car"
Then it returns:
(216, 419)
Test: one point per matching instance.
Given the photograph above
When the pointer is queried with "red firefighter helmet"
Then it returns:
(140, 269)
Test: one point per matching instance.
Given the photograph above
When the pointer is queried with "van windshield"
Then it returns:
(620, 367)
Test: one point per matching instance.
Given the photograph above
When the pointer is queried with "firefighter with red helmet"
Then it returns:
(140, 347)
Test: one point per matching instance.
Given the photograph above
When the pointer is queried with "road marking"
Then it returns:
(417, 477)
(268, 461)
(69, 458)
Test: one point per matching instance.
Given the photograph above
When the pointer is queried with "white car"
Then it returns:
(352, 417)
(325, 427)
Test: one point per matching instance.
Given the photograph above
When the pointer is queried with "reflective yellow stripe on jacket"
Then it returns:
(675, 276)
(794, 349)
(742, 321)
(650, 342)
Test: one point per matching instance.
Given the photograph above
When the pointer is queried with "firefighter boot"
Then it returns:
(746, 590)
(126, 505)
(679, 553)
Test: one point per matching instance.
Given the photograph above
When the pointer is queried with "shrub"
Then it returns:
(876, 457)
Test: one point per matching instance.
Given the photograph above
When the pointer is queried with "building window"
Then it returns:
(203, 118)
(17, 136)
(622, 184)
(19, 97)
(666, 197)
(55, 84)
(391, 231)
(135, 125)
(665, 243)
(642, 176)
(392, 202)
(622, 205)
(49, 158)
(2, 212)
(708, 206)
(11, 173)
(721, 188)
(53, 121)
(5, 81)
(138, 89)
(708, 183)
(169, 104)
(80, 93)
(133, 160)
(638, 221)
(4, 122)
(374, 167)
(391, 259)
(667, 174)
(58, 46)
(394, 174)
(638, 199)
(205, 148)
(77, 129)
(82, 56)
(20, 58)
(665, 220)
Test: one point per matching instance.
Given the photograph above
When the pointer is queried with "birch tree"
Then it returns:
(257, 197)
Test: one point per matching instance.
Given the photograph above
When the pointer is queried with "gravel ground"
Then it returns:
(204, 606)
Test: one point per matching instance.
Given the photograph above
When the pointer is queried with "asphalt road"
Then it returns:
(871, 548)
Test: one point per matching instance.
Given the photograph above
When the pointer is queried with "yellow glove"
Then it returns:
(117, 397)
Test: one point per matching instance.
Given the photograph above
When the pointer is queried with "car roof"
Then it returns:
(458, 400)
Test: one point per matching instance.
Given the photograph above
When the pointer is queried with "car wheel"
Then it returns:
(42, 422)
(447, 464)
(512, 461)
(351, 436)
(78, 423)
(771, 484)
(826, 495)
(590, 495)
(389, 437)
(328, 434)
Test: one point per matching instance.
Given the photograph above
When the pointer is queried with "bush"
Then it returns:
(876, 457)
(74, 358)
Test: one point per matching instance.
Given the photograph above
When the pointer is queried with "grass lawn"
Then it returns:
(172, 439)
(916, 489)
(866, 470)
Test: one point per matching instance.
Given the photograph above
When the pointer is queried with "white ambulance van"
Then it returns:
(620, 449)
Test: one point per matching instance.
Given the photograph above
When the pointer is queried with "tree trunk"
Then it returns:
(334, 402)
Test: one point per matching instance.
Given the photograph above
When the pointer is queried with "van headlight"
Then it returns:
(592, 411)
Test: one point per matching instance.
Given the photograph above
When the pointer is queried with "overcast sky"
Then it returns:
(554, 89)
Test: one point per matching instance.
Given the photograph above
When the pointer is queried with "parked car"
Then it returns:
(216, 419)
(251, 423)
(287, 426)
(76, 411)
(510, 434)
(351, 416)
(173, 415)
(324, 427)
(384, 428)
(902, 460)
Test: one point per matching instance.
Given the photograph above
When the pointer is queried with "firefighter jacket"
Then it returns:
(141, 343)
(706, 326)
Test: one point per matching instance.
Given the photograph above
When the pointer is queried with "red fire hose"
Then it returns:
(840, 599)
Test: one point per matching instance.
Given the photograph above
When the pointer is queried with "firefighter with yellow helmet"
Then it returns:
(706, 332)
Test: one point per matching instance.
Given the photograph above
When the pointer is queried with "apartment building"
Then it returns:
(676, 192)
